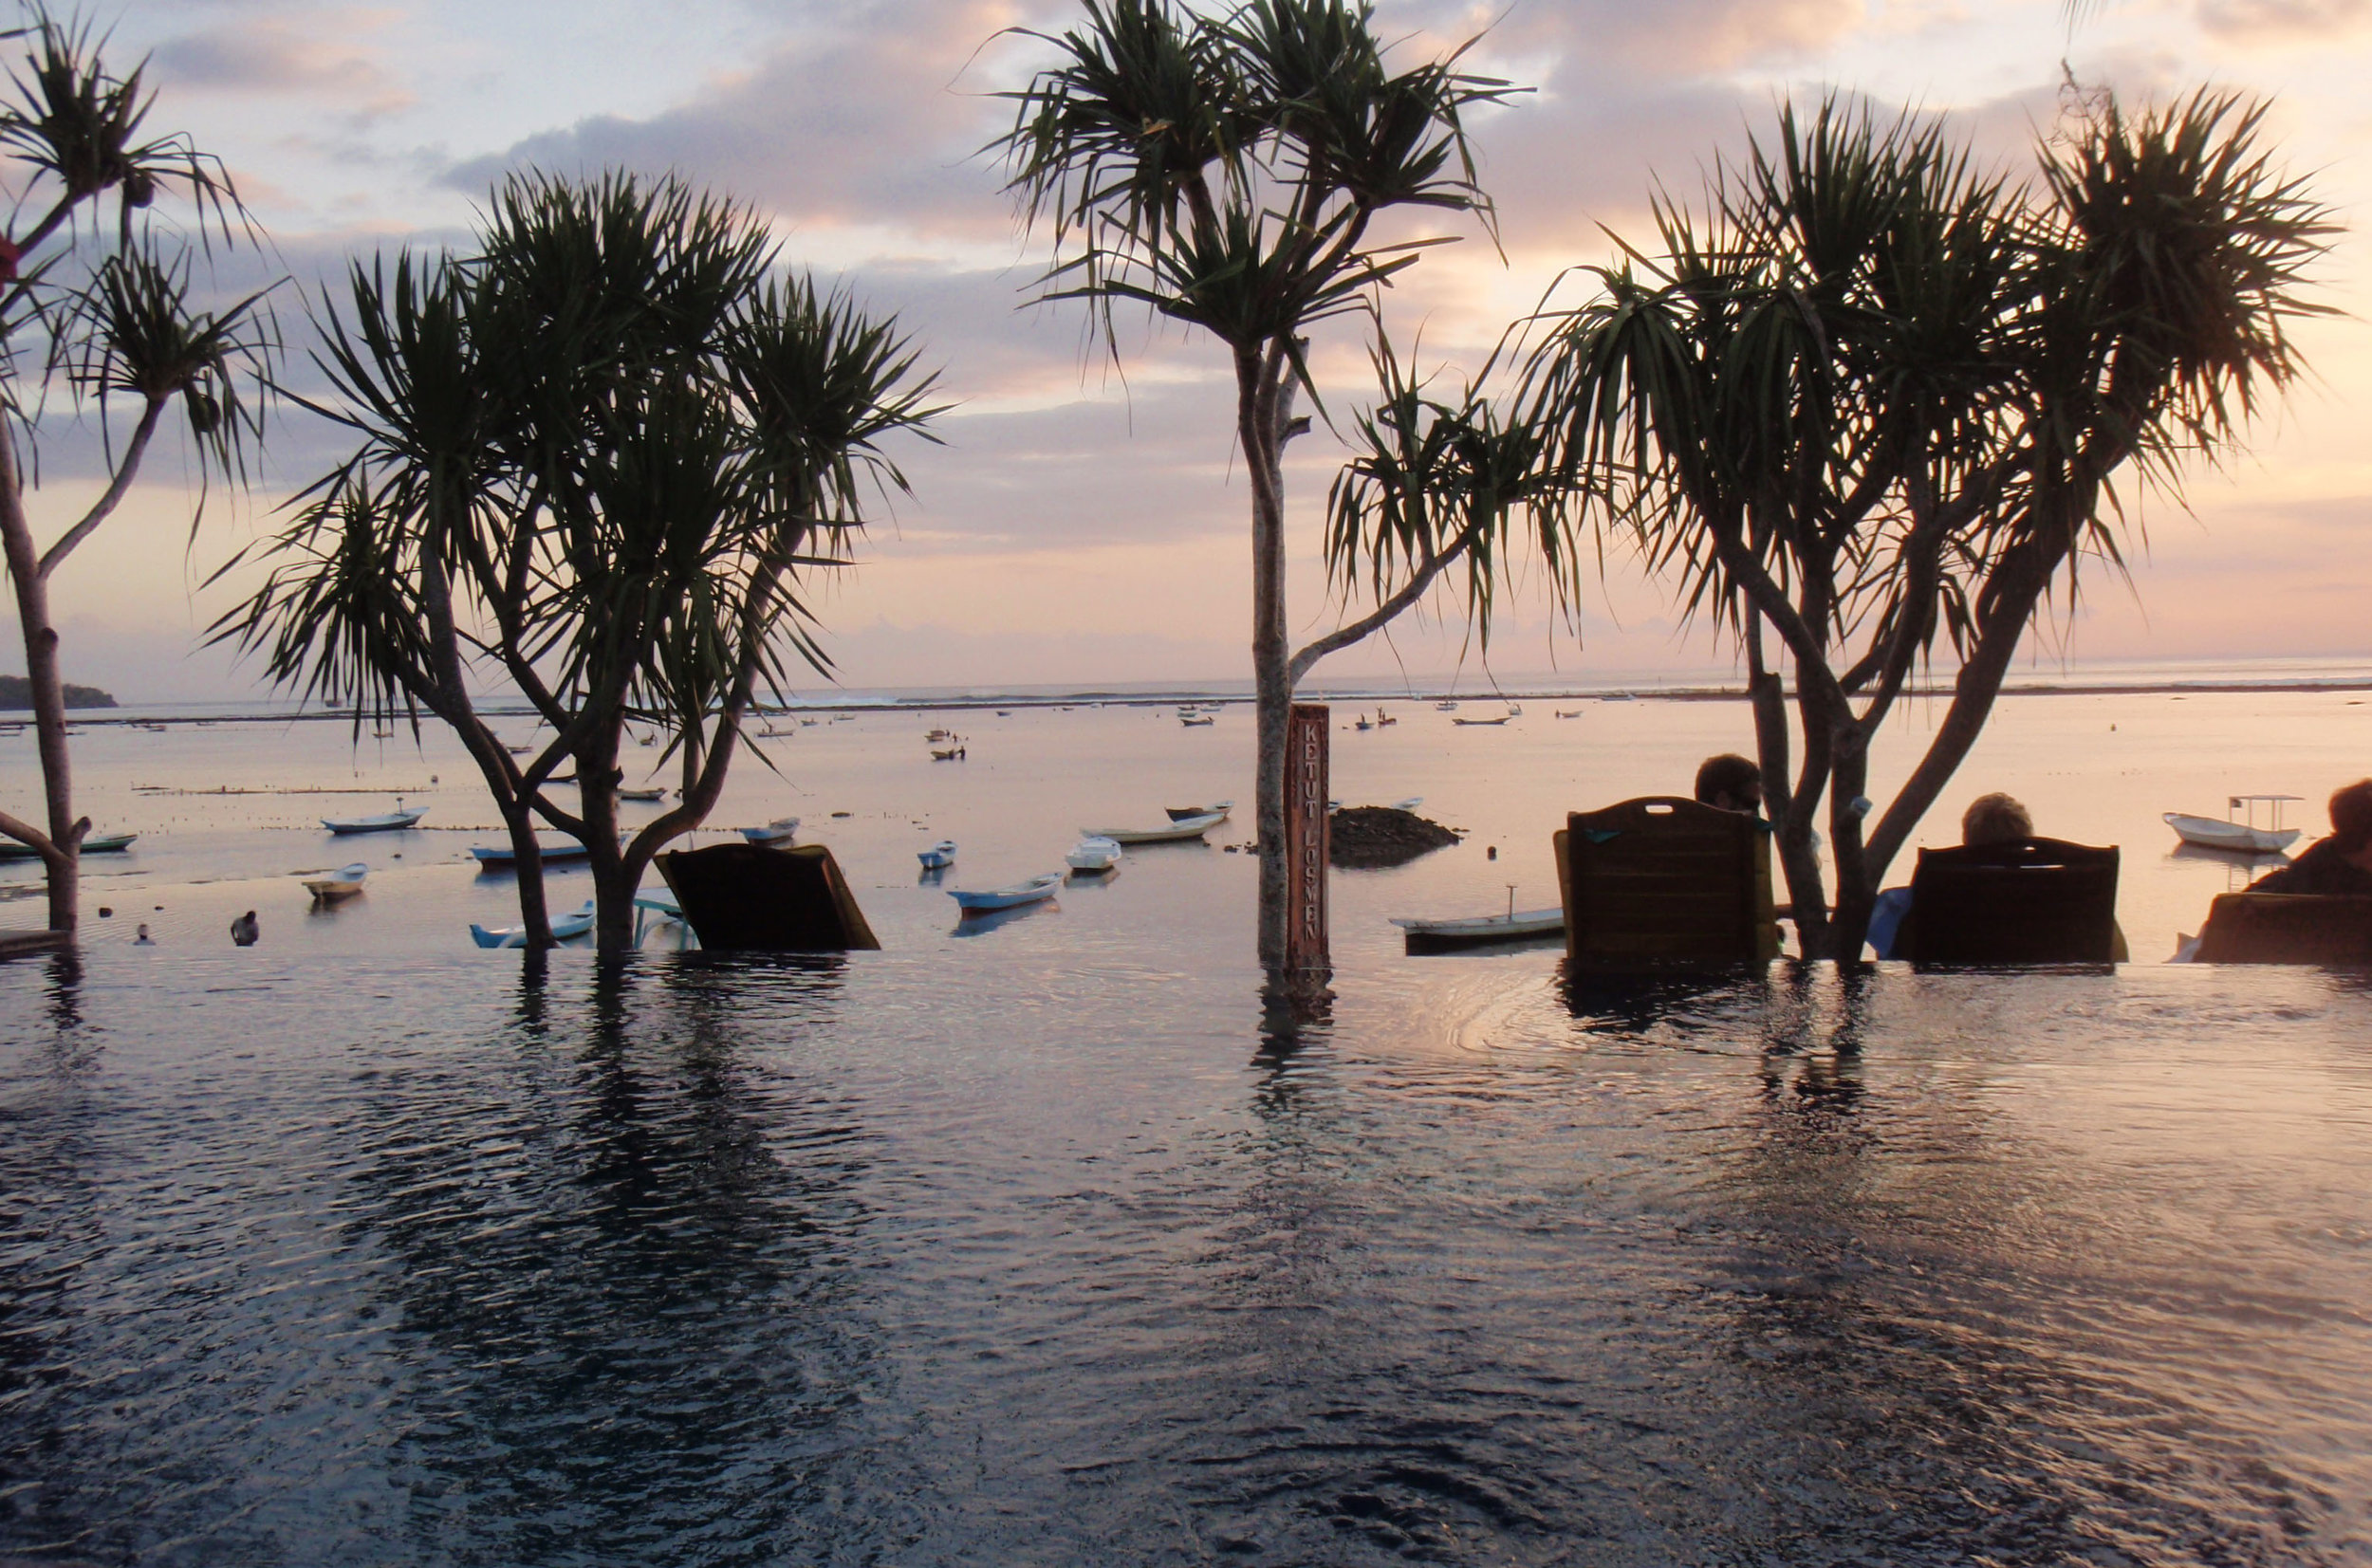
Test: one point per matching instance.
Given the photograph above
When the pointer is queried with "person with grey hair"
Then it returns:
(1992, 819)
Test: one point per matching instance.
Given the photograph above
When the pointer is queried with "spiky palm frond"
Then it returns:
(137, 333)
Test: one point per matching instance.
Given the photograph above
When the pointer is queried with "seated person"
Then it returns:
(1731, 783)
(1994, 818)
(2341, 864)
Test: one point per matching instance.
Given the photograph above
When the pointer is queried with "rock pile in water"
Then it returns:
(1364, 837)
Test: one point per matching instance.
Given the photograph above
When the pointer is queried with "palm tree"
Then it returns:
(595, 457)
(1226, 171)
(1871, 401)
(107, 320)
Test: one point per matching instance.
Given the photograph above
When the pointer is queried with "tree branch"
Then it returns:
(116, 488)
(1408, 594)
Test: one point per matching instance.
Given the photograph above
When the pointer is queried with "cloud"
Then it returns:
(874, 118)
(319, 55)
(2278, 22)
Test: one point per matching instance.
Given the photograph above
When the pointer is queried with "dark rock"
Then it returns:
(1368, 836)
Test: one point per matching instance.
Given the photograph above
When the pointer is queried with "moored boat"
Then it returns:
(1196, 721)
(386, 821)
(938, 856)
(780, 831)
(343, 883)
(1501, 719)
(503, 854)
(565, 928)
(2237, 835)
(103, 843)
(652, 792)
(1475, 930)
(1179, 813)
(1177, 832)
(1094, 853)
(1030, 892)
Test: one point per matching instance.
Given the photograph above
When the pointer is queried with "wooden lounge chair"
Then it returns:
(758, 899)
(2036, 901)
(1664, 883)
(2287, 928)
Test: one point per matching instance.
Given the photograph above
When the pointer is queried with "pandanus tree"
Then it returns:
(1227, 172)
(99, 311)
(1873, 409)
(596, 460)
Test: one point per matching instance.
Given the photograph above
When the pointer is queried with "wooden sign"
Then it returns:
(1306, 830)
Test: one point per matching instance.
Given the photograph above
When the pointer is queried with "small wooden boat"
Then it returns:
(1179, 813)
(1196, 721)
(343, 883)
(1409, 805)
(1447, 705)
(653, 792)
(1008, 897)
(938, 856)
(1478, 929)
(953, 754)
(1177, 832)
(1094, 853)
(939, 735)
(1618, 697)
(106, 843)
(503, 854)
(565, 928)
(780, 831)
(2237, 835)
(386, 821)
(1501, 719)
(518, 751)
(1363, 724)
(1573, 714)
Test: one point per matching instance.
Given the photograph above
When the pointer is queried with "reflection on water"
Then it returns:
(1013, 1254)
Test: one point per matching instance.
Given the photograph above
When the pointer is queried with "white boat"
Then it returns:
(2238, 833)
(1501, 719)
(1448, 705)
(343, 883)
(780, 831)
(1409, 805)
(1618, 697)
(1094, 853)
(1179, 813)
(548, 852)
(1475, 930)
(565, 928)
(652, 792)
(1177, 832)
(386, 821)
(1009, 897)
(938, 856)
(1195, 721)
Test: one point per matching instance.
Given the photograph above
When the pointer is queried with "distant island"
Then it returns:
(16, 691)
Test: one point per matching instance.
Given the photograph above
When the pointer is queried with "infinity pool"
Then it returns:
(1040, 1251)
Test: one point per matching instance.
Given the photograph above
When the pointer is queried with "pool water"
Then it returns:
(1063, 1246)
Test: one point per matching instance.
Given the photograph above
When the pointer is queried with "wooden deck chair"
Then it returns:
(2287, 928)
(756, 898)
(2036, 901)
(1664, 883)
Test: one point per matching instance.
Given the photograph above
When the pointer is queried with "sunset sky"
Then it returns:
(1079, 528)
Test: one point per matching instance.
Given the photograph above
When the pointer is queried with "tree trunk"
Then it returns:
(62, 854)
(1256, 377)
(596, 785)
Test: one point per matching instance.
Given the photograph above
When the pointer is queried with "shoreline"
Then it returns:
(140, 718)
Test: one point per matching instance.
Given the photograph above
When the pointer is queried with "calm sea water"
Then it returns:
(1045, 1241)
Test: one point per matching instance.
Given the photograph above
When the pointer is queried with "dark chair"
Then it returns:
(754, 899)
(2287, 928)
(2036, 901)
(1663, 883)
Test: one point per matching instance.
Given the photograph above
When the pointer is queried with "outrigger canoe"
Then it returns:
(565, 928)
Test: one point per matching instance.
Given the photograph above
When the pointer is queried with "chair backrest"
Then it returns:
(2035, 901)
(1663, 882)
(755, 898)
(2287, 928)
